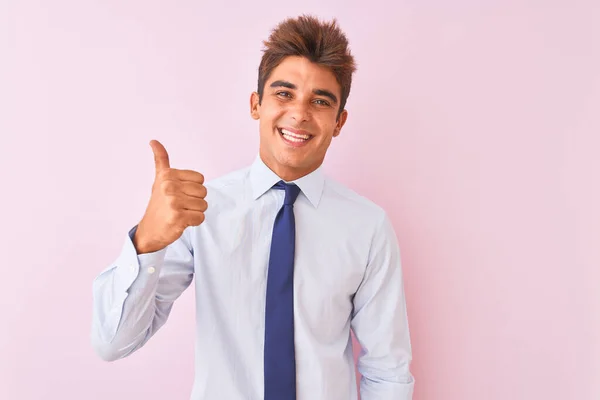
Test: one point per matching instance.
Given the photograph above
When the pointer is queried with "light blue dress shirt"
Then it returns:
(347, 276)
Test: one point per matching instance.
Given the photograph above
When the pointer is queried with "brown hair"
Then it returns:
(321, 42)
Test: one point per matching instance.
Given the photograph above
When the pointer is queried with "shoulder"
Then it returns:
(229, 178)
(227, 188)
(349, 205)
(339, 194)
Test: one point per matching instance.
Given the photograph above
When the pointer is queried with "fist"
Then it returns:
(177, 201)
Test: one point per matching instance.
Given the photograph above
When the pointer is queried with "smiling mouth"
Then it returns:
(294, 137)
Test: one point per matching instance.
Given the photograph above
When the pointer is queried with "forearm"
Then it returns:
(134, 296)
(384, 363)
(123, 309)
(391, 385)
(380, 323)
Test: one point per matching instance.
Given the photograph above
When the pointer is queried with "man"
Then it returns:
(286, 260)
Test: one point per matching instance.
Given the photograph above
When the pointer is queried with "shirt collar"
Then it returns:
(262, 178)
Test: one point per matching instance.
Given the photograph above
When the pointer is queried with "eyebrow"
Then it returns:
(318, 92)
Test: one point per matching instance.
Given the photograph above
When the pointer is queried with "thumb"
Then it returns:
(161, 157)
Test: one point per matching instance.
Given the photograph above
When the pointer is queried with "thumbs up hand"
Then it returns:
(177, 201)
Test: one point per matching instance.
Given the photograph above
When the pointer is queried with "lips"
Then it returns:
(294, 137)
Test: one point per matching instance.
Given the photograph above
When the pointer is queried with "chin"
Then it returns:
(290, 160)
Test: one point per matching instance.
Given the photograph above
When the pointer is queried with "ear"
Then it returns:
(254, 106)
(340, 123)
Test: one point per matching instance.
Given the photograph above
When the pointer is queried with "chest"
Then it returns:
(232, 250)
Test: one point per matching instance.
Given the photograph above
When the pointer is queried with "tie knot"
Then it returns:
(291, 192)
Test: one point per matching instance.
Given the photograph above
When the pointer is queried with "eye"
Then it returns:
(283, 94)
(322, 102)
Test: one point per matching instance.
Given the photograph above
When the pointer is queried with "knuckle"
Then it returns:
(196, 219)
(177, 217)
(171, 173)
(164, 174)
(172, 202)
(172, 187)
(165, 186)
(172, 219)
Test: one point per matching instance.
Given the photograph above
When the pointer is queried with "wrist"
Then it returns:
(143, 245)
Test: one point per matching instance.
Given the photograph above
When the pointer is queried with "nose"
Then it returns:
(300, 111)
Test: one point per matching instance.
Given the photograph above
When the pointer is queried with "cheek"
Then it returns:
(327, 128)
(267, 121)
(271, 112)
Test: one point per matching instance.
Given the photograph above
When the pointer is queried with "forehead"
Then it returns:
(305, 74)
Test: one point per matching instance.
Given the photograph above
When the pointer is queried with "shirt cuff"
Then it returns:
(129, 264)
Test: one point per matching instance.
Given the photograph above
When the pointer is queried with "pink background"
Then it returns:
(475, 125)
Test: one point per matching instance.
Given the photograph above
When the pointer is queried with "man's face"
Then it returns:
(298, 117)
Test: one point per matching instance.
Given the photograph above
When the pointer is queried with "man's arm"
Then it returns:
(380, 322)
(133, 297)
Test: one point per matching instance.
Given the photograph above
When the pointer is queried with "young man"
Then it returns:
(286, 260)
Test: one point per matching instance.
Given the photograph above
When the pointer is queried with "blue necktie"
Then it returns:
(279, 357)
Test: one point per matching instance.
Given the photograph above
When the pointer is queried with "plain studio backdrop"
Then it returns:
(475, 124)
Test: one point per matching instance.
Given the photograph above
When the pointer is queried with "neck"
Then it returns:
(287, 173)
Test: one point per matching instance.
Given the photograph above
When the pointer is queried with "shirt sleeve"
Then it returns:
(380, 322)
(133, 297)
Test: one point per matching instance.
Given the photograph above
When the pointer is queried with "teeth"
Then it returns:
(295, 136)
(294, 139)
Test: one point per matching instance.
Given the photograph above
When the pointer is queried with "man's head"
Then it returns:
(304, 80)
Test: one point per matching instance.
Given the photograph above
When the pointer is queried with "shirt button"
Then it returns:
(151, 270)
